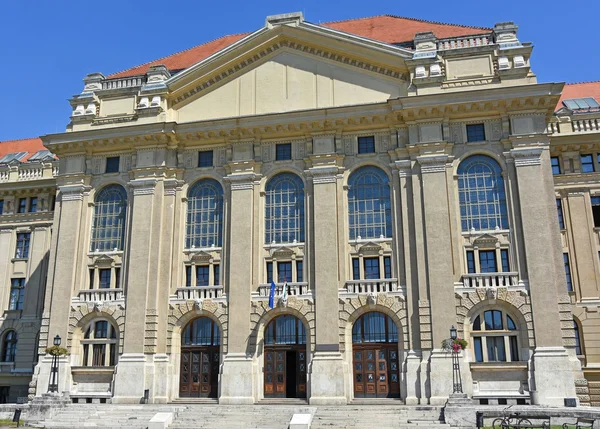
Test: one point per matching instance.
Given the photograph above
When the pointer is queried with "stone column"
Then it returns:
(584, 256)
(237, 385)
(132, 369)
(61, 278)
(438, 245)
(327, 367)
(553, 374)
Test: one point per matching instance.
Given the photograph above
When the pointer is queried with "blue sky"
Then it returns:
(47, 47)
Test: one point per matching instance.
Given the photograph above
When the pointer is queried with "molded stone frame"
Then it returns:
(84, 314)
(261, 316)
(351, 309)
(179, 316)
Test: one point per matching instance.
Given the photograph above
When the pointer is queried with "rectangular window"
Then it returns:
(478, 349)
(587, 164)
(568, 272)
(487, 261)
(92, 272)
(202, 275)
(495, 349)
(112, 164)
(514, 349)
(188, 275)
(17, 294)
(505, 261)
(371, 268)
(355, 269)
(299, 271)
(269, 272)
(22, 250)
(559, 212)
(555, 162)
(104, 278)
(216, 274)
(284, 272)
(117, 277)
(1, 206)
(283, 152)
(33, 205)
(99, 353)
(366, 144)
(470, 261)
(596, 211)
(22, 205)
(205, 158)
(475, 133)
(387, 267)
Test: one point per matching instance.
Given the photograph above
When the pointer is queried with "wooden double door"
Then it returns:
(376, 371)
(285, 371)
(199, 372)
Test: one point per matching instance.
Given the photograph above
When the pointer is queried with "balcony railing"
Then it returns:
(100, 295)
(371, 286)
(294, 289)
(490, 280)
(200, 292)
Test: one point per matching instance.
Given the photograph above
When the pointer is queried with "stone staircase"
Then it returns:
(262, 416)
(379, 416)
(105, 416)
(237, 416)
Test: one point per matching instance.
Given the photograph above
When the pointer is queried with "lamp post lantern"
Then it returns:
(53, 385)
(456, 379)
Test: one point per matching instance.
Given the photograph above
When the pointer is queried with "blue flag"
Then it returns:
(272, 295)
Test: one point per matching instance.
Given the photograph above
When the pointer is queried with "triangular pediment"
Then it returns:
(201, 256)
(289, 68)
(370, 247)
(282, 252)
(485, 240)
(104, 259)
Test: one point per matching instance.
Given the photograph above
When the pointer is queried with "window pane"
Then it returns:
(202, 275)
(559, 210)
(470, 261)
(505, 262)
(475, 133)
(578, 349)
(284, 209)
(112, 164)
(283, 152)
(555, 165)
(478, 349)
(495, 349)
(587, 164)
(487, 261)
(387, 264)
(514, 349)
(284, 272)
(371, 268)
(355, 269)
(481, 194)
(108, 229)
(204, 227)
(299, 271)
(369, 206)
(477, 324)
(366, 144)
(205, 158)
(568, 272)
(510, 323)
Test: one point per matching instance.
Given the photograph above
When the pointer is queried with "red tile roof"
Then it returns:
(580, 90)
(24, 145)
(383, 28)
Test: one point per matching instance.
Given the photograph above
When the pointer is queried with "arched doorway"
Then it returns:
(200, 358)
(285, 358)
(375, 363)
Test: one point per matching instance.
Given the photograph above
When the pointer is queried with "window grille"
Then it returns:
(481, 194)
(205, 215)
(369, 207)
(108, 230)
(284, 209)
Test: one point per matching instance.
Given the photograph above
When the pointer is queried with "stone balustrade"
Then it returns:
(583, 125)
(27, 171)
(100, 295)
(371, 286)
(200, 292)
(31, 172)
(463, 42)
(574, 126)
(127, 82)
(294, 289)
(4, 175)
(490, 280)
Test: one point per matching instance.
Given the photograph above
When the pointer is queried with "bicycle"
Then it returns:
(509, 420)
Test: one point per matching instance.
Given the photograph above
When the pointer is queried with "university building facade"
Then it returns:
(392, 177)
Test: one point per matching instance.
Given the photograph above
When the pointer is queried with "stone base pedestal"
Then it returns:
(412, 378)
(160, 392)
(440, 377)
(43, 378)
(236, 380)
(130, 377)
(45, 406)
(460, 411)
(327, 379)
(553, 375)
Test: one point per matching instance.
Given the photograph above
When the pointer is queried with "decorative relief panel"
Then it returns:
(188, 159)
(348, 145)
(97, 165)
(266, 153)
(299, 148)
(495, 130)
(456, 133)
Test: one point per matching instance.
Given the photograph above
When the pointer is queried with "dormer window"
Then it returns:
(582, 105)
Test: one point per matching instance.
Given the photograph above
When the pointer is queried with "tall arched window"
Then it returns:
(201, 332)
(205, 215)
(100, 344)
(285, 329)
(495, 337)
(579, 350)
(481, 194)
(374, 327)
(284, 209)
(108, 228)
(369, 207)
(9, 346)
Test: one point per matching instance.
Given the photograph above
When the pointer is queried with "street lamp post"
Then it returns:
(53, 385)
(456, 379)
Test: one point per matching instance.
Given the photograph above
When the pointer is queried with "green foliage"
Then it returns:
(57, 351)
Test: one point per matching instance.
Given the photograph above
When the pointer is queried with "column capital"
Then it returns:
(241, 181)
(6, 230)
(433, 163)
(73, 192)
(527, 156)
(320, 175)
(403, 166)
(143, 186)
